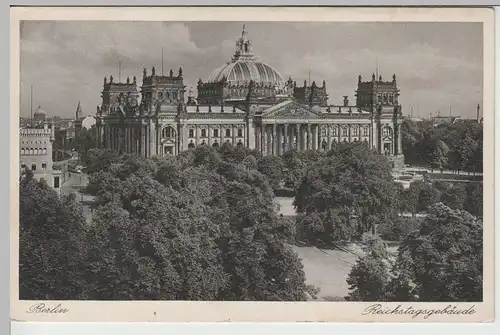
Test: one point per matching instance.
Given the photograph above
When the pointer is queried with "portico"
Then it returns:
(275, 138)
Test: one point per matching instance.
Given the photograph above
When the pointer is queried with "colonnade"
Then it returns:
(275, 139)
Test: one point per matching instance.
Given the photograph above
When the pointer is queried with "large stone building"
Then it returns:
(245, 102)
(35, 145)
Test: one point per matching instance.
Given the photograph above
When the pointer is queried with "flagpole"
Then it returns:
(31, 106)
(119, 70)
(162, 61)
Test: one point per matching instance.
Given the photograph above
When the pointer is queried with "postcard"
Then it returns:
(263, 164)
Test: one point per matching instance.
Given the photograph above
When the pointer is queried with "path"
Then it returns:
(74, 185)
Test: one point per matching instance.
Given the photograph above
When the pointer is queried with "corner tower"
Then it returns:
(381, 99)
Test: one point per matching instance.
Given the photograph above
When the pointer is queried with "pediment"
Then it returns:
(290, 110)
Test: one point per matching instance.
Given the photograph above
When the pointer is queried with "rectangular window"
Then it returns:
(335, 132)
(203, 133)
(191, 132)
(355, 131)
(345, 132)
(216, 132)
(228, 132)
(56, 182)
(391, 98)
(33, 167)
(44, 166)
(365, 131)
(240, 132)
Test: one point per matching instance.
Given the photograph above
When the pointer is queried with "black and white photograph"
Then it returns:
(253, 161)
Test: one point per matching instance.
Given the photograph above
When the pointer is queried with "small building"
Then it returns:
(35, 146)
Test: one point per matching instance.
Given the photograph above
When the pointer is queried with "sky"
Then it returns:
(439, 66)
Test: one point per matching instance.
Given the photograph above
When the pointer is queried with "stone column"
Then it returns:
(329, 135)
(264, 140)
(315, 137)
(152, 137)
(286, 139)
(275, 141)
(309, 137)
(297, 142)
(270, 141)
(143, 140)
(258, 138)
(221, 135)
(209, 130)
(233, 132)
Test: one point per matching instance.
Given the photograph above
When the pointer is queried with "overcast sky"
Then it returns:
(437, 65)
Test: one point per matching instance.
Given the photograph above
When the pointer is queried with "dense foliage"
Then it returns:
(200, 226)
(441, 261)
(457, 146)
(345, 194)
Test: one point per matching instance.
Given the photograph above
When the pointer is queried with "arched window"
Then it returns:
(391, 98)
(168, 132)
(386, 131)
(22, 151)
(385, 98)
(44, 151)
(36, 151)
(228, 132)
(240, 132)
(216, 134)
(335, 131)
(323, 131)
(365, 131)
(203, 133)
(33, 167)
(345, 131)
(355, 131)
(191, 132)
(32, 151)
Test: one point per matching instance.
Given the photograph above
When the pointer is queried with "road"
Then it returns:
(73, 185)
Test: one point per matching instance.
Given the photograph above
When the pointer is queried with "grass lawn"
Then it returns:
(327, 270)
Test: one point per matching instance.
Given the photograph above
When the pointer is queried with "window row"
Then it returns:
(385, 98)
(33, 151)
(34, 166)
(216, 133)
(355, 131)
(191, 145)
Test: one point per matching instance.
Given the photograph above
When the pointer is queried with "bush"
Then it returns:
(397, 230)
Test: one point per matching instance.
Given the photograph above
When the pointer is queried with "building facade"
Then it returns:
(245, 102)
(35, 145)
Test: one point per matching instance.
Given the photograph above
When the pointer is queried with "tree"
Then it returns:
(454, 197)
(370, 276)
(440, 155)
(50, 248)
(420, 195)
(85, 140)
(397, 229)
(474, 200)
(272, 168)
(346, 193)
(443, 260)
(194, 227)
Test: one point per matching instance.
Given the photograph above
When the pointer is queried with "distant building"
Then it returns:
(39, 116)
(35, 145)
(82, 121)
(448, 120)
